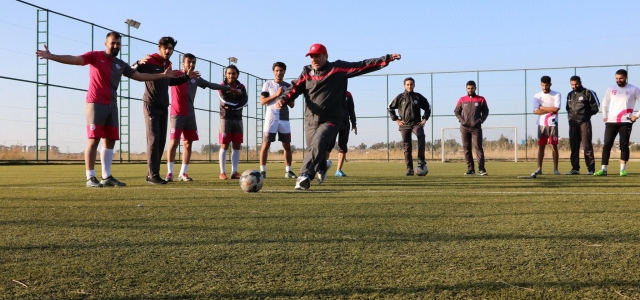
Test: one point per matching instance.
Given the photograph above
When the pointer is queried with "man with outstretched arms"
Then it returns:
(617, 111)
(581, 104)
(343, 136)
(471, 111)
(156, 104)
(546, 105)
(324, 85)
(276, 120)
(410, 120)
(101, 110)
(231, 129)
(183, 117)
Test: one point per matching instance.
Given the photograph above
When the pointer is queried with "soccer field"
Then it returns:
(374, 234)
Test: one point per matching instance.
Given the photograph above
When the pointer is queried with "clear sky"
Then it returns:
(432, 36)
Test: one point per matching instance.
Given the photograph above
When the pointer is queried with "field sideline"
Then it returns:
(374, 234)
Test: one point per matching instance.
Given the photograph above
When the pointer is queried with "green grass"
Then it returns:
(374, 234)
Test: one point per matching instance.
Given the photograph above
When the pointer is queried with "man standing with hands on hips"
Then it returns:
(471, 111)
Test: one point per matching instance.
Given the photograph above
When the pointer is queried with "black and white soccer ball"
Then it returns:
(422, 170)
(251, 181)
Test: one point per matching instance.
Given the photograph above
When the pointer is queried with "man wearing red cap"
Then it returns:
(324, 85)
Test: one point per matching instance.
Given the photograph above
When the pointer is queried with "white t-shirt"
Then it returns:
(619, 102)
(552, 99)
(272, 113)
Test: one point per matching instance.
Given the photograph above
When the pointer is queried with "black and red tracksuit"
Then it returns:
(471, 111)
(581, 105)
(324, 90)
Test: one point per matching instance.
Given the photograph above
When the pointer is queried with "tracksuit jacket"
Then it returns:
(581, 105)
(231, 105)
(472, 111)
(408, 105)
(156, 92)
(324, 89)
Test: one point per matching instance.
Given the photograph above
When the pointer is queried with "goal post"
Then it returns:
(513, 129)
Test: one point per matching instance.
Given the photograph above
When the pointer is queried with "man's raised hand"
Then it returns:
(171, 73)
(193, 74)
(235, 91)
(43, 54)
(396, 56)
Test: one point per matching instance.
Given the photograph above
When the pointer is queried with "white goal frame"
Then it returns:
(515, 139)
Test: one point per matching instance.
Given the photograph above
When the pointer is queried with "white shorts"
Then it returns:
(273, 127)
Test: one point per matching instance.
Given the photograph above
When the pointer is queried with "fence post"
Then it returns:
(526, 128)
(388, 148)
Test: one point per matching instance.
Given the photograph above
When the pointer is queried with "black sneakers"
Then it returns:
(409, 172)
(155, 179)
(470, 173)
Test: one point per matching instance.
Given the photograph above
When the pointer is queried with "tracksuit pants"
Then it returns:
(156, 122)
(472, 135)
(580, 134)
(318, 139)
(610, 132)
(418, 131)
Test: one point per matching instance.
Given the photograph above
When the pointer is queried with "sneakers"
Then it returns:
(235, 175)
(93, 182)
(600, 173)
(537, 172)
(184, 177)
(223, 176)
(322, 176)
(290, 174)
(409, 172)
(470, 173)
(339, 173)
(110, 181)
(155, 179)
(264, 174)
(483, 172)
(590, 173)
(556, 172)
(169, 177)
(575, 172)
(303, 182)
(329, 163)
(623, 172)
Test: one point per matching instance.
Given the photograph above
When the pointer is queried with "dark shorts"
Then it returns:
(102, 121)
(547, 135)
(279, 127)
(230, 131)
(185, 126)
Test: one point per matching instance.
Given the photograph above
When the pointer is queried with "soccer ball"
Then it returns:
(422, 170)
(251, 181)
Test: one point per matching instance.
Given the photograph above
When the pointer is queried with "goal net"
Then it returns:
(499, 143)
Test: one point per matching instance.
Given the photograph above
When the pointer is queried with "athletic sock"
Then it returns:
(263, 168)
(222, 156)
(604, 167)
(170, 167)
(90, 173)
(106, 157)
(183, 169)
(235, 159)
(287, 168)
(623, 167)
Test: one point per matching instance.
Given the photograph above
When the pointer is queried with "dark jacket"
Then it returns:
(231, 105)
(157, 92)
(471, 111)
(324, 89)
(408, 105)
(581, 105)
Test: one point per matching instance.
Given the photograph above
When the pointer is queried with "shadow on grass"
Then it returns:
(539, 289)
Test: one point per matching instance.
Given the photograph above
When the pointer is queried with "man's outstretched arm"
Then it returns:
(65, 59)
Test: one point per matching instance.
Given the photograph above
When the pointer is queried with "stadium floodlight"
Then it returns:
(233, 60)
(133, 23)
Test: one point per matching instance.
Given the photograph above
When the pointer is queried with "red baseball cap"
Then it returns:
(317, 49)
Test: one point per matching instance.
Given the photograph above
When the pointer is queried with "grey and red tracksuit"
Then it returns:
(471, 111)
(156, 109)
(409, 105)
(581, 105)
(324, 90)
